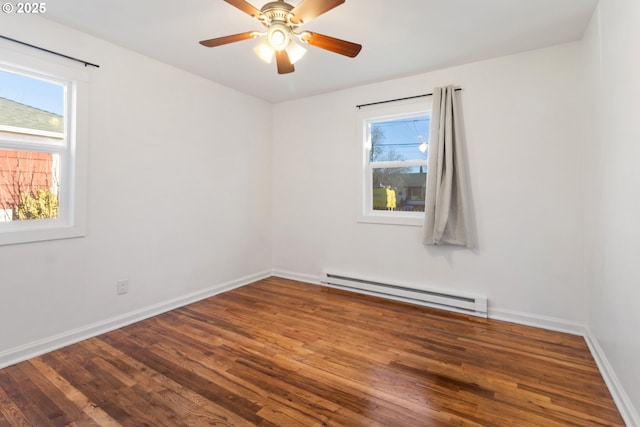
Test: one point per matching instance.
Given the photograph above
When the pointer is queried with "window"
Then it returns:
(395, 149)
(42, 148)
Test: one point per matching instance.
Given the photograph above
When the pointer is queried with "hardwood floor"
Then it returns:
(284, 353)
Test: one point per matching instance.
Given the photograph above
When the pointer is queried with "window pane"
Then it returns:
(29, 185)
(400, 139)
(400, 189)
(31, 103)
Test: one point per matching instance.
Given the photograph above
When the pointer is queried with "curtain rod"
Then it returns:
(51, 51)
(400, 99)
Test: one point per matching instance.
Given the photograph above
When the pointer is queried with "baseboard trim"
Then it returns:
(39, 347)
(621, 399)
(521, 318)
(623, 402)
(627, 411)
(537, 321)
(305, 278)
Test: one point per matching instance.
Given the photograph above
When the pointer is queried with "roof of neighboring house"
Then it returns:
(415, 179)
(15, 114)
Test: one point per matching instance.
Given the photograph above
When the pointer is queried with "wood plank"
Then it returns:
(24, 395)
(73, 396)
(284, 353)
(63, 408)
(196, 409)
(11, 413)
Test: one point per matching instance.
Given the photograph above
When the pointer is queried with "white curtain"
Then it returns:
(446, 208)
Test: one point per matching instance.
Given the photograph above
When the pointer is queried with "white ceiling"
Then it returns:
(399, 38)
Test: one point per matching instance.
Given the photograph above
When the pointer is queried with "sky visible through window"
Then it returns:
(402, 138)
(36, 93)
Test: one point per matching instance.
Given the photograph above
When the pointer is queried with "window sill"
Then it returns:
(392, 218)
(41, 233)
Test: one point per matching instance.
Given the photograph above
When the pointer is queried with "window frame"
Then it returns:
(73, 149)
(381, 113)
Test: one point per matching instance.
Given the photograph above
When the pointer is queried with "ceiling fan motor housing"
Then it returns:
(277, 12)
(276, 16)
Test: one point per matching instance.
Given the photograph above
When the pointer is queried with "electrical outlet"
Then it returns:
(123, 286)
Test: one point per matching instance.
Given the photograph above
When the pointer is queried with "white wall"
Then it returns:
(179, 195)
(524, 121)
(612, 182)
(182, 198)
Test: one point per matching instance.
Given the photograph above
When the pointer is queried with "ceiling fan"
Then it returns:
(281, 21)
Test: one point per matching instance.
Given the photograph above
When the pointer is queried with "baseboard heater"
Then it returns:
(474, 305)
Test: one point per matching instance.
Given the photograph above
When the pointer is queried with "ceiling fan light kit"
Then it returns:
(278, 36)
(281, 21)
(295, 52)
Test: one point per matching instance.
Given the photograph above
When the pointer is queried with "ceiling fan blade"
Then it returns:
(306, 10)
(332, 44)
(228, 39)
(284, 63)
(245, 7)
